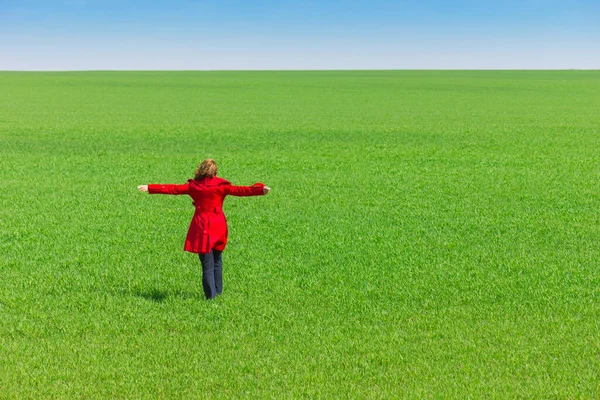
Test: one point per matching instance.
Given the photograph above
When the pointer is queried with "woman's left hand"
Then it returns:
(266, 189)
(143, 188)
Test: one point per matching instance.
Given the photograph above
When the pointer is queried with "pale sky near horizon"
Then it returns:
(328, 34)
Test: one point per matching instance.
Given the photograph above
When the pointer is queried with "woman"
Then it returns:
(207, 234)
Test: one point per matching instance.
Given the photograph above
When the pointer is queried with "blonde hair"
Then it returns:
(207, 168)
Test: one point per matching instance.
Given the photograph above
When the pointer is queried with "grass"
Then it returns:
(429, 234)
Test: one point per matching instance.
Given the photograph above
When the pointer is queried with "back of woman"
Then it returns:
(208, 192)
(207, 233)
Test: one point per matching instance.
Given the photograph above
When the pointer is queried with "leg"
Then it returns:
(218, 262)
(208, 275)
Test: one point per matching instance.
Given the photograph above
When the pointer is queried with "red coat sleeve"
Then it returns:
(254, 190)
(169, 189)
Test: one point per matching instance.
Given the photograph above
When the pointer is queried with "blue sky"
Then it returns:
(260, 34)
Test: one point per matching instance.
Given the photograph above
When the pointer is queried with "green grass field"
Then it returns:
(429, 234)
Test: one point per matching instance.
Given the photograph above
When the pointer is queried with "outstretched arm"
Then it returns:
(165, 189)
(257, 189)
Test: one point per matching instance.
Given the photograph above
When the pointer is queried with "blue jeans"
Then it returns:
(212, 273)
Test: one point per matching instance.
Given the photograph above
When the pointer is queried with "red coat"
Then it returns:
(208, 229)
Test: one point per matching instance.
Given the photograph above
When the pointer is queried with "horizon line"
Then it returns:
(300, 70)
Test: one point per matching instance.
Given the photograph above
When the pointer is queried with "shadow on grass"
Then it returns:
(159, 296)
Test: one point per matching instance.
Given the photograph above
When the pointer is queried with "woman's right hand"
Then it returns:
(143, 188)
